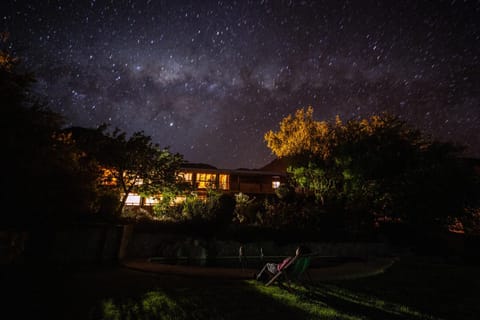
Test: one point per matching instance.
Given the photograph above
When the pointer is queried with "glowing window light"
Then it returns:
(133, 199)
(186, 176)
(107, 177)
(151, 201)
(179, 199)
(276, 182)
(223, 181)
(206, 180)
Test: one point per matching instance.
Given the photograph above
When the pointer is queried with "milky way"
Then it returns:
(209, 78)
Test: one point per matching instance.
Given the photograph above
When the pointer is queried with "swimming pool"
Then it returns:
(246, 262)
(223, 262)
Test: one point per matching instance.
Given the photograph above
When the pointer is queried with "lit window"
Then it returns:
(223, 181)
(133, 199)
(186, 176)
(151, 201)
(275, 182)
(206, 180)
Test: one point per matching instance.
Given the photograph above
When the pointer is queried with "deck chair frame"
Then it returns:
(285, 270)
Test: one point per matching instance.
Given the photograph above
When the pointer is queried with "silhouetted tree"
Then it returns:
(132, 164)
(44, 178)
(375, 169)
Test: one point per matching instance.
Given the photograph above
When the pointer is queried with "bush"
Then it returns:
(247, 210)
(223, 210)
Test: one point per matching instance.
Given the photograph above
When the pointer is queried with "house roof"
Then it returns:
(198, 165)
(277, 165)
(201, 167)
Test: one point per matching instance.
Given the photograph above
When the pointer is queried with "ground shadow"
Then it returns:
(120, 293)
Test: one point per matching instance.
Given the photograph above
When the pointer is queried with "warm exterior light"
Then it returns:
(275, 182)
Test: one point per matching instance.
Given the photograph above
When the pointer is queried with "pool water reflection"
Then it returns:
(246, 262)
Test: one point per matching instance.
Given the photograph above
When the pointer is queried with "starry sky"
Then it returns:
(208, 78)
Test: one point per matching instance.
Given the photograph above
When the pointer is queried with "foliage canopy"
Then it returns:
(132, 164)
(375, 169)
(44, 172)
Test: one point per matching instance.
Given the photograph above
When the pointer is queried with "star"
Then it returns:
(191, 73)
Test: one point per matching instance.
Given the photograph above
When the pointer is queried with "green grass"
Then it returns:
(407, 290)
(423, 289)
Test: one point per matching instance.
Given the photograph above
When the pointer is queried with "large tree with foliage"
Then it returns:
(375, 168)
(44, 177)
(130, 164)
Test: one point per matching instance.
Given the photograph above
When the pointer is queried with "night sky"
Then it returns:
(209, 78)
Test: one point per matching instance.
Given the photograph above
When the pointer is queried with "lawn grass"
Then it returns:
(410, 289)
(432, 289)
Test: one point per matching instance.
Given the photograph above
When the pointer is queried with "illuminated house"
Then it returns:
(256, 182)
(240, 180)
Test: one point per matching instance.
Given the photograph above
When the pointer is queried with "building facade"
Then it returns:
(202, 177)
